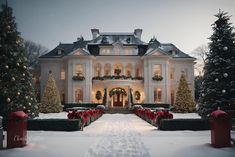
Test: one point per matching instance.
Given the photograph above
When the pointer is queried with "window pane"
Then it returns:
(62, 74)
(157, 95)
(79, 70)
(157, 70)
(78, 95)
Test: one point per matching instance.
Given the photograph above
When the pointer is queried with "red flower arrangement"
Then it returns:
(86, 116)
(152, 116)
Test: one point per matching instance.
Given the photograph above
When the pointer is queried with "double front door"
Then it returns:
(118, 99)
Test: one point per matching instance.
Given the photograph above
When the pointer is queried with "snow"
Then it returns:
(63, 115)
(119, 135)
(186, 116)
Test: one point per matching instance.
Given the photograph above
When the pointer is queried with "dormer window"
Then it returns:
(104, 40)
(128, 40)
(59, 52)
(174, 52)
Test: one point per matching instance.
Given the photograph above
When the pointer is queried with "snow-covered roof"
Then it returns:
(111, 38)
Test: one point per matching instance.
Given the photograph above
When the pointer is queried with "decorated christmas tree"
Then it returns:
(16, 90)
(184, 101)
(51, 99)
(218, 85)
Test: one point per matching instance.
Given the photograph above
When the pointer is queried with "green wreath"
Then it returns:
(98, 95)
(137, 95)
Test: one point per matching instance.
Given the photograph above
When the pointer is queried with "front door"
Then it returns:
(117, 99)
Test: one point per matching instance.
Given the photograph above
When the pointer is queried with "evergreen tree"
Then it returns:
(51, 99)
(218, 86)
(16, 90)
(184, 101)
(197, 86)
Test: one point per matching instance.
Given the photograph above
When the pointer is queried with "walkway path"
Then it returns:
(121, 137)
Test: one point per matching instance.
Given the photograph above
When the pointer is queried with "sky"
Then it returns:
(185, 23)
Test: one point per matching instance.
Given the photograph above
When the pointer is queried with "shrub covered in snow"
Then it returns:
(101, 107)
(136, 106)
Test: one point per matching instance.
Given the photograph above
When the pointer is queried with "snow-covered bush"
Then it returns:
(136, 106)
(101, 107)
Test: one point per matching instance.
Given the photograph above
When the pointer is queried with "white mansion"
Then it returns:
(121, 64)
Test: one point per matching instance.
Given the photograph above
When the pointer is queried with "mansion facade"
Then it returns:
(120, 65)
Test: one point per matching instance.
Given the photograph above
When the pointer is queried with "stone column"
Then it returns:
(129, 97)
(107, 97)
(102, 70)
(124, 70)
(112, 70)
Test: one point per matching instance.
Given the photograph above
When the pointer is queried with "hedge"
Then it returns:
(184, 124)
(54, 124)
(167, 106)
(88, 105)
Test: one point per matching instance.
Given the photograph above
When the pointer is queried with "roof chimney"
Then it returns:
(138, 33)
(95, 33)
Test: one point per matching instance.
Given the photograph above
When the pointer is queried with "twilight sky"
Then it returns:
(186, 23)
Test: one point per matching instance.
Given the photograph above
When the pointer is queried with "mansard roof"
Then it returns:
(168, 49)
(108, 39)
(123, 38)
(65, 49)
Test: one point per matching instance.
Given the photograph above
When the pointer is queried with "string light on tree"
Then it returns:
(8, 100)
(225, 48)
(18, 93)
(223, 91)
(216, 80)
(225, 75)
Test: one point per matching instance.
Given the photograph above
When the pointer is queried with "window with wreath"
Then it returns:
(157, 72)
(79, 70)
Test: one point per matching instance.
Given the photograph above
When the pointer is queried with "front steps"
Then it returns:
(115, 110)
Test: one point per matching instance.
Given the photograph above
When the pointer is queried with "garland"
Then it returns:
(117, 90)
(157, 78)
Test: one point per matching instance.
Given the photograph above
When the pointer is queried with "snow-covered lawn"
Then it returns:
(119, 135)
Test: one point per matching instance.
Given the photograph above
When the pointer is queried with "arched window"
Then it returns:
(157, 70)
(97, 69)
(79, 70)
(78, 95)
(107, 69)
(129, 70)
(118, 69)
